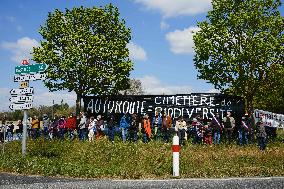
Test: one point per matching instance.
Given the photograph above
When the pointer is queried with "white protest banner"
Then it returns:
(271, 119)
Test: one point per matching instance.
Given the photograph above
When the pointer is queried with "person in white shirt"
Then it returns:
(181, 128)
(92, 129)
(83, 127)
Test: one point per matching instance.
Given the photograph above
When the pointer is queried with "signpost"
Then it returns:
(24, 91)
(22, 98)
(30, 77)
(24, 106)
(34, 68)
(24, 84)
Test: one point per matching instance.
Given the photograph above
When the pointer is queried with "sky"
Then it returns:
(161, 46)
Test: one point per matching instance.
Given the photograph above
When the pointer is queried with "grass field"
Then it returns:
(102, 159)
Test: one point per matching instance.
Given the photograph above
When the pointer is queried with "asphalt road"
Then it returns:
(9, 181)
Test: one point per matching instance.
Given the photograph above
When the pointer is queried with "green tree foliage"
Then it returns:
(271, 95)
(238, 44)
(85, 49)
(62, 109)
(11, 116)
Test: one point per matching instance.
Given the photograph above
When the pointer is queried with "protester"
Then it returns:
(71, 126)
(157, 125)
(111, 125)
(19, 131)
(229, 125)
(52, 129)
(243, 131)
(83, 127)
(29, 127)
(92, 129)
(10, 131)
(61, 126)
(35, 127)
(124, 125)
(46, 123)
(261, 135)
(181, 128)
(167, 124)
(207, 135)
(216, 126)
(133, 128)
(146, 129)
(197, 131)
(99, 126)
(2, 128)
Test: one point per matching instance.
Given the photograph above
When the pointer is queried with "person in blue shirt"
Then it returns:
(124, 125)
(157, 125)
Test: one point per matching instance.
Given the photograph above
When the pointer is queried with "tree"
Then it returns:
(11, 115)
(271, 96)
(85, 49)
(135, 88)
(238, 45)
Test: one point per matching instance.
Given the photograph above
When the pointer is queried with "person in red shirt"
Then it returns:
(71, 126)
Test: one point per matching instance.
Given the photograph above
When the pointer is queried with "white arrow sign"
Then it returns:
(25, 106)
(30, 77)
(24, 91)
(21, 99)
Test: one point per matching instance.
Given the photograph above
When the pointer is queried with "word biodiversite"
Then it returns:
(186, 105)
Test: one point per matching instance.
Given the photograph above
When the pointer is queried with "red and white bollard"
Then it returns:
(175, 149)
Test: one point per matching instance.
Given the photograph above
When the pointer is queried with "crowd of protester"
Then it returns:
(134, 127)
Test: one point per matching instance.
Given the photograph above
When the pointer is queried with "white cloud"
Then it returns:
(4, 99)
(152, 85)
(213, 91)
(170, 8)
(46, 98)
(181, 41)
(136, 52)
(164, 25)
(20, 49)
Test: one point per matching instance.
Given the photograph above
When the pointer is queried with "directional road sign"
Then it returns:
(33, 68)
(24, 106)
(21, 99)
(24, 84)
(30, 77)
(24, 91)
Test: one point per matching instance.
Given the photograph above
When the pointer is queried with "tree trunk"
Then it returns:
(249, 104)
(78, 104)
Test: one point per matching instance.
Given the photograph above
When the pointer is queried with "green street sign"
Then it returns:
(33, 68)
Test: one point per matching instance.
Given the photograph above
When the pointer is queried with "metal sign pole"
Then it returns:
(22, 98)
(24, 139)
(4, 137)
